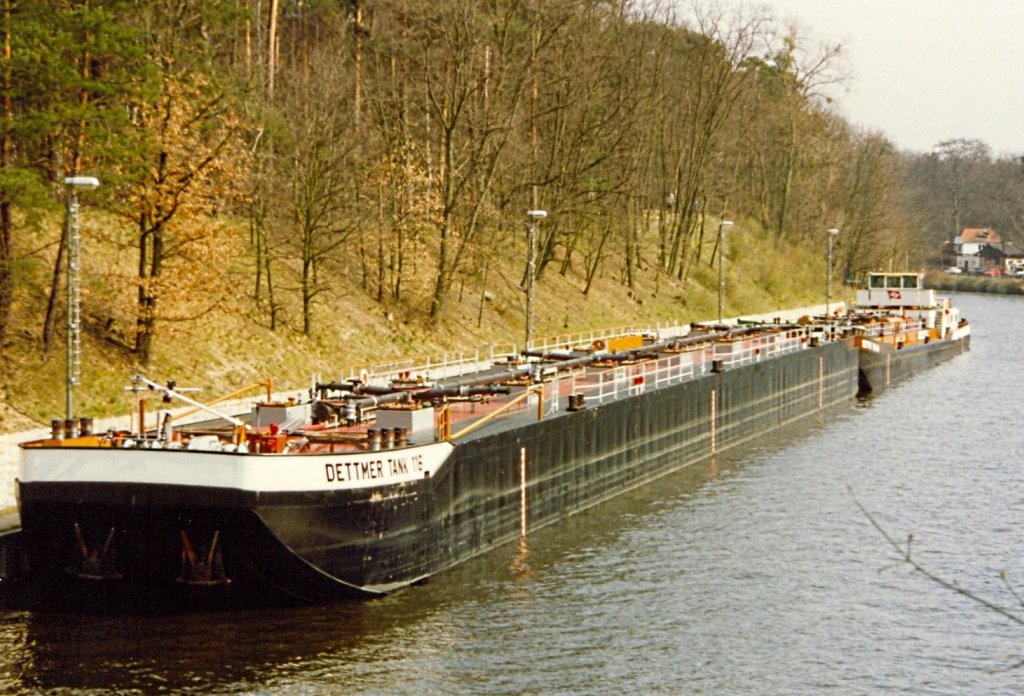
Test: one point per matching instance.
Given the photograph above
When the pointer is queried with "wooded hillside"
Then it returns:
(282, 157)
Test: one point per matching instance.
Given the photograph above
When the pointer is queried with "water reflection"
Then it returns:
(167, 652)
(521, 568)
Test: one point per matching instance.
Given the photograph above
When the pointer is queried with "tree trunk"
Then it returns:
(437, 301)
(592, 268)
(271, 49)
(381, 266)
(6, 274)
(50, 320)
(307, 308)
(357, 62)
(308, 282)
(270, 292)
(149, 271)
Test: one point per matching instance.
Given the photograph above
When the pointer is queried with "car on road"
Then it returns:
(991, 272)
(953, 270)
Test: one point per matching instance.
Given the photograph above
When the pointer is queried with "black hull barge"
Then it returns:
(390, 477)
(364, 485)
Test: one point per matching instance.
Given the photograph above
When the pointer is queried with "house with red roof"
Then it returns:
(968, 244)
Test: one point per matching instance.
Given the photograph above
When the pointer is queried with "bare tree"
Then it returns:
(960, 158)
(191, 162)
(319, 207)
(457, 43)
(712, 63)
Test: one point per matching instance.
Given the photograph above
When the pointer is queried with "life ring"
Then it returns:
(597, 345)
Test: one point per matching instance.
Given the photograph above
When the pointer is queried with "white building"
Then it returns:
(968, 244)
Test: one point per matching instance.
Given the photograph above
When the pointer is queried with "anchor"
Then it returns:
(97, 564)
(202, 572)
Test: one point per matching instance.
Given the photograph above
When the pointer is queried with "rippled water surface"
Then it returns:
(755, 575)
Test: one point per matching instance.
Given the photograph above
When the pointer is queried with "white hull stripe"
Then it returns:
(247, 472)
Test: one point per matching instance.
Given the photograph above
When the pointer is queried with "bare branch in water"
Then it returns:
(904, 552)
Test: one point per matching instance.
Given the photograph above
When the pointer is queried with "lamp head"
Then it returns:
(536, 214)
(84, 182)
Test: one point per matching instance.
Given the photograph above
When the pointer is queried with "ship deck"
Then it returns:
(552, 381)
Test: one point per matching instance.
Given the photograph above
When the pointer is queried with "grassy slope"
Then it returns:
(227, 349)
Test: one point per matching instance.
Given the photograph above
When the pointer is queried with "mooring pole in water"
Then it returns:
(522, 492)
(714, 444)
(821, 381)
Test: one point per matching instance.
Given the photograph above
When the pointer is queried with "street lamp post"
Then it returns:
(722, 226)
(72, 242)
(531, 267)
(832, 232)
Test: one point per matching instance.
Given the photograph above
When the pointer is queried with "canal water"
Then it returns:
(757, 574)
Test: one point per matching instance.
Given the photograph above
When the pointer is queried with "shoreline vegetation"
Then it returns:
(967, 283)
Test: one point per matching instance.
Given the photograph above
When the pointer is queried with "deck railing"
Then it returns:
(597, 384)
(888, 328)
(456, 364)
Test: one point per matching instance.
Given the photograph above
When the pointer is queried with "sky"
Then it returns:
(923, 71)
